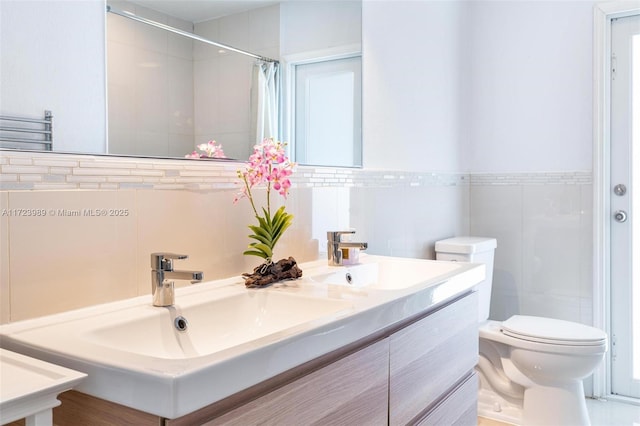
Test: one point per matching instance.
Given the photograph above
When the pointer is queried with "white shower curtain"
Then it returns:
(266, 97)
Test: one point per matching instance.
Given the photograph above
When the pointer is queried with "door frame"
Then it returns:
(603, 14)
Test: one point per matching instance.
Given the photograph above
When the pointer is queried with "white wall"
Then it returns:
(529, 77)
(483, 86)
(412, 85)
(319, 24)
(52, 56)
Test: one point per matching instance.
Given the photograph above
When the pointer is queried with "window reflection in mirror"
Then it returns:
(327, 112)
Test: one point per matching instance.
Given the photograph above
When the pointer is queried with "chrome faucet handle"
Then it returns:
(334, 236)
(164, 261)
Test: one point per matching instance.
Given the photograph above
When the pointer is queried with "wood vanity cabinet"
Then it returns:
(419, 372)
(429, 358)
(350, 391)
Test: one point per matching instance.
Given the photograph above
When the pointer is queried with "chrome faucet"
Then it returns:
(162, 289)
(335, 246)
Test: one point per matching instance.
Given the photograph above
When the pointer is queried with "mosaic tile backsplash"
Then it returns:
(45, 171)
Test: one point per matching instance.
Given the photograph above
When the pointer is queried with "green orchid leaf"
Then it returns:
(267, 216)
(265, 240)
(279, 219)
(264, 224)
(279, 215)
(283, 220)
(277, 238)
(263, 248)
(261, 232)
(255, 253)
(283, 227)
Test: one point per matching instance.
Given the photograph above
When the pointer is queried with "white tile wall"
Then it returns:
(68, 256)
(543, 224)
(406, 221)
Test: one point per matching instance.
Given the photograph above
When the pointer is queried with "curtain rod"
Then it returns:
(186, 34)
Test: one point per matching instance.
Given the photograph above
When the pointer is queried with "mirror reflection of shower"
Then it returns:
(173, 84)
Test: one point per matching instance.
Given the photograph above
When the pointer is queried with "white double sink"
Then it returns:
(235, 337)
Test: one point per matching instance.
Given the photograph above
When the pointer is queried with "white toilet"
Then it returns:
(530, 368)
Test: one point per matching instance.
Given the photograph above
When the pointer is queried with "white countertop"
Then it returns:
(29, 386)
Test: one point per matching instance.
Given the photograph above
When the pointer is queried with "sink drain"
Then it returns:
(349, 278)
(181, 323)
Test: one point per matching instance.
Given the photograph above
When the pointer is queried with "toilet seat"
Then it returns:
(552, 331)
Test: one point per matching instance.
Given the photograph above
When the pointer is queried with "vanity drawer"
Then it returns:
(460, 408)
(429, 357)
(352, 390)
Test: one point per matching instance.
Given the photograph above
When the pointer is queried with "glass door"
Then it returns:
(625, 206)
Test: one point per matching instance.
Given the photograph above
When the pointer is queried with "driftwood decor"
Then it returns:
(267, 274)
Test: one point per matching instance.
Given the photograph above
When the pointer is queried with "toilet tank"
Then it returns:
(476, 250)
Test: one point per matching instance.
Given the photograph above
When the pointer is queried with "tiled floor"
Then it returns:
(611, 413)
(601, 413)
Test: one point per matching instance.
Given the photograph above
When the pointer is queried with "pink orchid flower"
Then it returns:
(211, 149)
(269, 165)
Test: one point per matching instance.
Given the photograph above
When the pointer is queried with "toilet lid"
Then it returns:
(552, 331)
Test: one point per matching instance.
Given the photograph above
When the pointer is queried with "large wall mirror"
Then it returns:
(166, 93)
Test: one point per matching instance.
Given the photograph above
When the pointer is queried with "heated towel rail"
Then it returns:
(24, 132)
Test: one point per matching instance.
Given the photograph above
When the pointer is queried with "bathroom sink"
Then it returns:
(387, 273)
(204, 328)
(232, 335)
